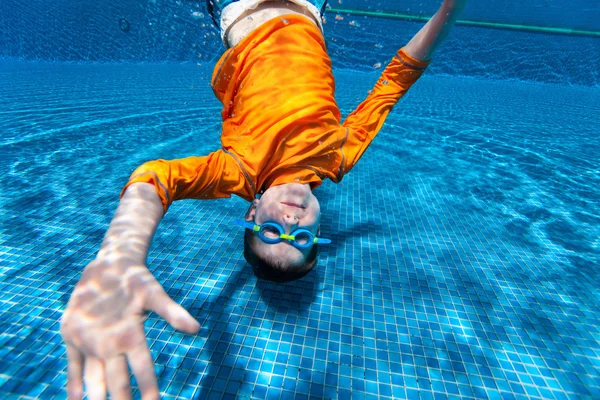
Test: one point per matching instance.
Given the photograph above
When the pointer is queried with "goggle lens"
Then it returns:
(303, 238)
(270, 233)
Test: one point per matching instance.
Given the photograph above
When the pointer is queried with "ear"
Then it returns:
(252, 210)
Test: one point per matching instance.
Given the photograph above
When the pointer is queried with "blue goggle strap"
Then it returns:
(248, 225)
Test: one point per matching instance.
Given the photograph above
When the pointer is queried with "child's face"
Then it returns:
(291, 205)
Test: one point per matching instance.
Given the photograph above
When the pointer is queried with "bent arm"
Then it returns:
(150, 191)
(216, 175)
(424, 43)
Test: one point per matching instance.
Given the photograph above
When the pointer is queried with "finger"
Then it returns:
(142, 367)
(95, 382)
(173, 313)
(117, 378)
(74, 373)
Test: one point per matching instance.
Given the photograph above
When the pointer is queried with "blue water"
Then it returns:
(465, 250)
(168, 31)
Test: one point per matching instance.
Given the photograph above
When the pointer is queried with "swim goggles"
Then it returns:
(271, 233)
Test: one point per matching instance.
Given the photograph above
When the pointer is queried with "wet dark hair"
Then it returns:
(272, 269)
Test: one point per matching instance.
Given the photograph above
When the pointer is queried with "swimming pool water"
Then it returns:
(465, 250)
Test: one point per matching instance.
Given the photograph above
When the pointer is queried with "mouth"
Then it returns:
(293, 205)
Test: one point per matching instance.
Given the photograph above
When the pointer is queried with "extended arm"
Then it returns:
(401, 73)
(133, 226)
(424, 43)
(103, 322)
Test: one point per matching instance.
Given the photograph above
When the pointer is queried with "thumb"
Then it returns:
(173, 313)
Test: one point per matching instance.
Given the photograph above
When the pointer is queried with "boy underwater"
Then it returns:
(282, 136)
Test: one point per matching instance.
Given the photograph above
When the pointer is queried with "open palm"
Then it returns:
(104, 332)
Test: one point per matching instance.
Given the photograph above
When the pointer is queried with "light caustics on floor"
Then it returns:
(483, 24)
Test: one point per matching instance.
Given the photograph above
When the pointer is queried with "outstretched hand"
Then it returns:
(103, 327)
(455, 4)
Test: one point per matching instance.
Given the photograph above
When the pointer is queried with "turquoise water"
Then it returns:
(464, 261)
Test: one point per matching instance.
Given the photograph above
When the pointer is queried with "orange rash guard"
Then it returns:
(281, 123)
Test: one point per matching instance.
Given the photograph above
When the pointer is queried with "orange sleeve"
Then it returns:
(214, 176)
(365, 122)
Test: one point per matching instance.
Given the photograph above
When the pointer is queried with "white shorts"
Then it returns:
(233, 11)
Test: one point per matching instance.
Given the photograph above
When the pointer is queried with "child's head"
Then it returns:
(292, 206)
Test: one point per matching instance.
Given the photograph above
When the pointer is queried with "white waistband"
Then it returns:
(233, 11)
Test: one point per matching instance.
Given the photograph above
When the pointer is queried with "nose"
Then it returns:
(290, 220)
